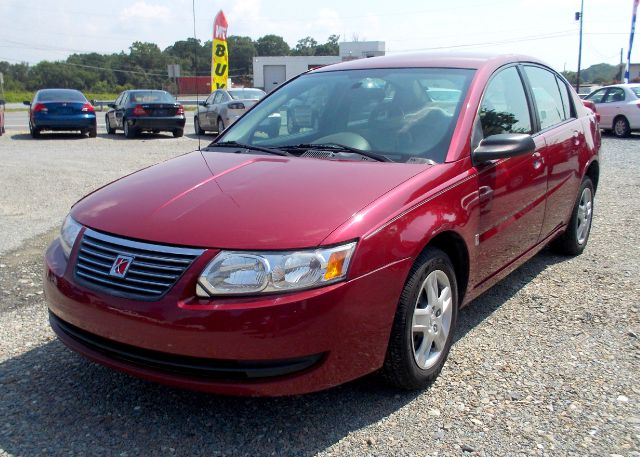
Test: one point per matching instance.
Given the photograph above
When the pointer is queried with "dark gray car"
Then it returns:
(223, 107)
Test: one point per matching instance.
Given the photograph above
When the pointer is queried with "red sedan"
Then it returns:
(280, 262)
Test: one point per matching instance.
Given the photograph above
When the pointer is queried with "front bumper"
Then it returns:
(157, 123)
(272, 345)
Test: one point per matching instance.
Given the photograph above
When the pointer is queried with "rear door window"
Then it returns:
(547, 96)
(566, 99)
(615, 94)
(504, 107)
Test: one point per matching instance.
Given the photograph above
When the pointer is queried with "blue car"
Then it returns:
(61, 109)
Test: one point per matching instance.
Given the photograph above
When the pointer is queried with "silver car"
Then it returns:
(223, 107)
(618, 106)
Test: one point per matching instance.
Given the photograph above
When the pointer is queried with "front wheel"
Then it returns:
(621, 127)
(107, 123)
(574, 239)
(424, 323)
(220, 126)
(197, 127)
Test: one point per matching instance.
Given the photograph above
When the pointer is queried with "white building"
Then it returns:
(270, 72)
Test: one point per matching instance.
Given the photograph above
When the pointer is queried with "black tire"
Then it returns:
(93, 132)
(177, 133)
(107, 123)
(400, 367)
(570, 242)
(621, 127)
(129, 131)
(35, 132)
(197, 127)
(155, 131)
(220, 125)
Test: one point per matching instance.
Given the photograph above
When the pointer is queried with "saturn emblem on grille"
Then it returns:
(121, 266)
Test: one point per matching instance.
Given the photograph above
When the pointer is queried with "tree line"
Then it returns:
(145, 65)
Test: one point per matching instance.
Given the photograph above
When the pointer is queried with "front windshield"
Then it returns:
(401, 113)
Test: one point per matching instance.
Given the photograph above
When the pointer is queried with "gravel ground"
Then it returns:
(546, 363)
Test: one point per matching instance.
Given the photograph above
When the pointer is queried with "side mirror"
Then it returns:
(27, 102)
(502, 146)
(111, 105)
(202, 103)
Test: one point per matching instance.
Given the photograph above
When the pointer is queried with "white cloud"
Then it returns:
(144, 11)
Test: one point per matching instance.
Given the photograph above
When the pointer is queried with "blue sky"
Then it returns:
(33, 30)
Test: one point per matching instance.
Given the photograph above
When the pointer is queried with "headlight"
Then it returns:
(237, 272)
(68, 234)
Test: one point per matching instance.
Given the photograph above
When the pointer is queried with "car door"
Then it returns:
(111, 114)
(564, 138)
(120, 109)
(202, 112)
(512, 190)
(614, 102)
(212, 112)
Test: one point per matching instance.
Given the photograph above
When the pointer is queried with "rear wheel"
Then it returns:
(129, 131)
(178, 132)
(197, 127)
(574, 239)
(35, 131)
(107, 123)
(621, 127)
(424, 323)
(93, 132)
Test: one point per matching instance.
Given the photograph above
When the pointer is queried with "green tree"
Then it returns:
(305, 47)
(241, 54)
(330, 48)
(272, 45)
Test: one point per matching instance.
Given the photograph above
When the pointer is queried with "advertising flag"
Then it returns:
(219, 53)
(633, 29)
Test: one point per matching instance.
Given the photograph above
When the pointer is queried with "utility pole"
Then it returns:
(579, 17)
(621, 66)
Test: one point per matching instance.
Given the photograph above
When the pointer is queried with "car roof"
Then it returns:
(431, 59)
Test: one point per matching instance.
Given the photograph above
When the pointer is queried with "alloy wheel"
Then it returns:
(584, 215)
(431, 321)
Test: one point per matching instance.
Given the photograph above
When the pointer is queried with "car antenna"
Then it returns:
(195, 61)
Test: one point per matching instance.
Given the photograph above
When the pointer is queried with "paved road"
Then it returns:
(18, 121)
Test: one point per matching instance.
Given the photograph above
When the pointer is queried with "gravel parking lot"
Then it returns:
(546, 363)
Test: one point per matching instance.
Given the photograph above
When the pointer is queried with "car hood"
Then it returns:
(239, 201)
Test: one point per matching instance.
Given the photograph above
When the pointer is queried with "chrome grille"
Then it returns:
(154, 270)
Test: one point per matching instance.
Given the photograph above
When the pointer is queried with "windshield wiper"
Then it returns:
(250, 147)
(340, 147)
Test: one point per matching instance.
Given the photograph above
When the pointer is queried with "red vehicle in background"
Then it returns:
(280, 261)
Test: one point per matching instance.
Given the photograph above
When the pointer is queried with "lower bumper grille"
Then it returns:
(182, 365)
(150, 272)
